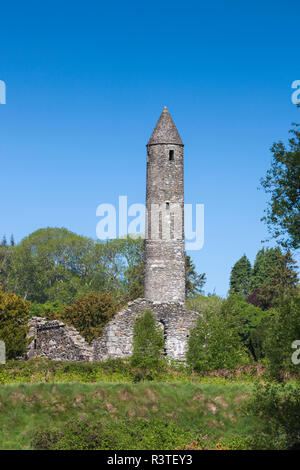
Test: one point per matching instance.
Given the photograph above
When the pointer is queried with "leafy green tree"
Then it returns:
(14, 315)
(45, 310)
(249, 321)
(240, 277)
(6, 254)
(282, 182)
(54, 264)
(148, 342)
(194, 282)
(284, 330)
(214, 343)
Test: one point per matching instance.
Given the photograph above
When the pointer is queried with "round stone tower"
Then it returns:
(164, 249)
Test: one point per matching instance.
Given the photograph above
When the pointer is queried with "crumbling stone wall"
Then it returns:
(116, 340)
(55, 340)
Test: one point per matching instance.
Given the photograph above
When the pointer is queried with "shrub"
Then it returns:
(277, 410)
(203, 304)
(251, 323)
(120, 435)
(148, 342)
(14, 315)
(90, 314)
(48, 309)
(284, 330)
(214, 343)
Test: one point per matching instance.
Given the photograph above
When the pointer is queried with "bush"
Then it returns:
(277, 410)
(90, 314)
(148, 342)
(203, 304)
(121, 435)
(251, 323)
(14, 315)
(284, 330)
(214, 343)
(48, 309)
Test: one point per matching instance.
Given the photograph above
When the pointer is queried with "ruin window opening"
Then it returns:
(171, 155)
(34, 344)
(167, 205)
(163, 327)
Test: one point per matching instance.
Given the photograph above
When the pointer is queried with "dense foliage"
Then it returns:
(282, 182)
(194, 282)
(54, 265)
(90, 313)
(276, 408)
(283, 332)
(14, 315)
(214, 343)
(240, 277)
(148, 342)
(273, 277)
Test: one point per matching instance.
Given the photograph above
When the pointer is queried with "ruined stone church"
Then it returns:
(164, 288)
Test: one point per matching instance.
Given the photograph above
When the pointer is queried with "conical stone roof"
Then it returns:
(165, 131)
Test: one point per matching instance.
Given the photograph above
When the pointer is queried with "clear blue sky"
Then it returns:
(86, 82)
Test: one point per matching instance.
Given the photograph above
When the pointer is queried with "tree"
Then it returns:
(285, 278)
(214, 343)
(89, 314)
(193, 282)
(275, 278)
(4, 241)
(12, 241)
(240, 277)
(6, 254)
(249, 321)
(55, 264)
(284, 331)
(266, 261)
(282, 182)
(148, 342)
(14, 315)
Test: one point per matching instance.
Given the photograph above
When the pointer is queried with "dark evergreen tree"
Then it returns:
(4, 241)
(263, 270)
(278, 280)
(240, 277)
(194, 282)
(12, 241)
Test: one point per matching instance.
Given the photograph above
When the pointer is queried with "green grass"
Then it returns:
(131, 416)
(117, 370)
(53, 404)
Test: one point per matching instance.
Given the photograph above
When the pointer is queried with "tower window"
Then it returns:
(171, 155)
(167, 205)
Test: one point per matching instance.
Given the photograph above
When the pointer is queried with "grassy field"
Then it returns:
(135, 416)
(54, 405)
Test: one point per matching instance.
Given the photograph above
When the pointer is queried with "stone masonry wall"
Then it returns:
(116, 340)
(164, 248)
(55, 340)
